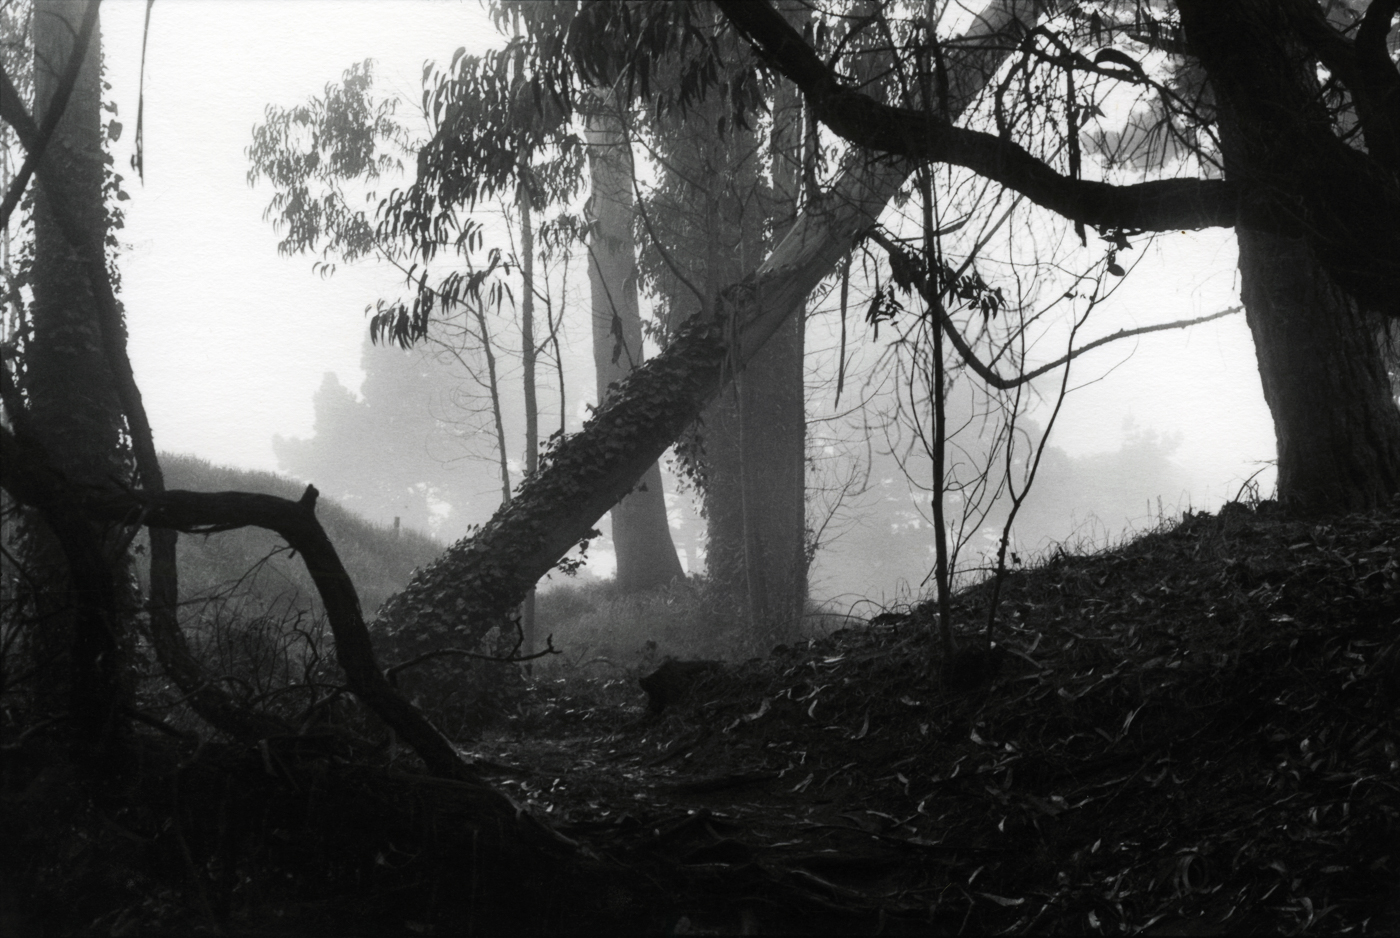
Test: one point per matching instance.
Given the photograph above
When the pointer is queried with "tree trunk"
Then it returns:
(71, 391)
(73, 399)
(1336, 424)
(473, 585)
(773, 409)
(1299, 177)
(641, 533)
(528, 354)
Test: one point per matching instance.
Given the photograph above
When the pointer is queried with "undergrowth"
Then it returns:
(1193, 732)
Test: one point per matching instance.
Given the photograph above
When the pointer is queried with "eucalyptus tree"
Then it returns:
(66, 378)
(641, 535)
(466, 591)
(73, 411)
(726, 189)
(1303, 167)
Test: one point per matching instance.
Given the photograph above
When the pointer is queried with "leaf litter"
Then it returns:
(1193, 733)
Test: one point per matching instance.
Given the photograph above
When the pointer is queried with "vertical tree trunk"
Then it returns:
(1336, 424)
(71, 391)
(773, 414)
(641, 533)
(528, 352)
(72, 394)
(724, 191)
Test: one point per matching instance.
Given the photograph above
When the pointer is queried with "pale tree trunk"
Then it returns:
(473, 585)
(641, 533)
(528, 354)
(772, 404)
(732, 225)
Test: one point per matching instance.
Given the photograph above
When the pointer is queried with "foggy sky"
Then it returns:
(230, 341)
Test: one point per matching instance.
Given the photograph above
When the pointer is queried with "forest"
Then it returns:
(840, 264)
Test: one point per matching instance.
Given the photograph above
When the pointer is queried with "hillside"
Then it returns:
(378, 561)
(1193, 733)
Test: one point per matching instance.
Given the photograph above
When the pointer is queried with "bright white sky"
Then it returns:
(229, 340)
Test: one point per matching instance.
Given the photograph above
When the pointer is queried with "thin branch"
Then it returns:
(1005, 384)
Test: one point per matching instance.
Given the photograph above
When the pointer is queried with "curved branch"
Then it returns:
(27, 476)
(1158, 205)
(1344, 202)
(988, 374)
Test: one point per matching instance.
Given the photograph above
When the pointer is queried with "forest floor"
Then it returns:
(1195, 733)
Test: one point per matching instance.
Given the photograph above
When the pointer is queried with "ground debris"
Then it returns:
(1196, 732)
(1196, 729)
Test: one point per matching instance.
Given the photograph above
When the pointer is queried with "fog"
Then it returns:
(249, 359)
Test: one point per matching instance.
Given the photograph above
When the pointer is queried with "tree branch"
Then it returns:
(1345, 203)
(27, 476)
(988, 374)
(1159, 205)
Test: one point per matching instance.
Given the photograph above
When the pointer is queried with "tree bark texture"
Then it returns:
(72, 396)
(71, 390)
(473, 585)
(641, 532)
(1336, 425)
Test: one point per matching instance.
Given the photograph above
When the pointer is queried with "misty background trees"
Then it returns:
(765, 248)
(874, 527)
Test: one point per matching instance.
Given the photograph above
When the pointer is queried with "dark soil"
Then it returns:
(1193, 734)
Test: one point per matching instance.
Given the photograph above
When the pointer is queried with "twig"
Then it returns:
(392, 672)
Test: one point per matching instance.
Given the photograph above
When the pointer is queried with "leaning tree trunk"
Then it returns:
(641, 533)
(471, 588)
